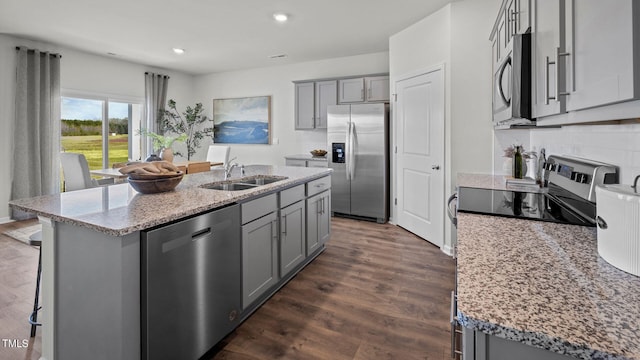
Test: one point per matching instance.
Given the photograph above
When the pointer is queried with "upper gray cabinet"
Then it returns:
(326, 94)
(547, 65)
(313, 96)
(513, 18)
(363, 89)
(602, 61)
(587, 62)
(312, 99)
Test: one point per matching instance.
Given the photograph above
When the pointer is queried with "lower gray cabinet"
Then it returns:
(318, 220)
(259, 249)
(292, 237)
(480, 346)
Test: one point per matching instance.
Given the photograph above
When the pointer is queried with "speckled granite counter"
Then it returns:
(118, 209)
(544, 284)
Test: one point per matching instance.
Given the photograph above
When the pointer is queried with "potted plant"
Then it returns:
(163, 143)
(188, 124)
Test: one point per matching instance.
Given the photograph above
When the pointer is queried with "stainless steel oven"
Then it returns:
(568, 199)
(512, 84)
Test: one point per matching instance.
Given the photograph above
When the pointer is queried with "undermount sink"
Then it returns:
(244, 183)
(230, 186)
(263, 180)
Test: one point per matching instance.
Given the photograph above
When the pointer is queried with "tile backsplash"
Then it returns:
(617, 144)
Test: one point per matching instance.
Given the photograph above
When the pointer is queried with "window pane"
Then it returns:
(119, 119)
(81, 129)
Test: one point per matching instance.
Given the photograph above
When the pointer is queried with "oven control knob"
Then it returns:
(584, 179)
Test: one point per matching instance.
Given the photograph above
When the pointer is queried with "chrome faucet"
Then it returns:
(228, 167)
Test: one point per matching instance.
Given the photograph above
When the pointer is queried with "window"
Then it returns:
(101, 128)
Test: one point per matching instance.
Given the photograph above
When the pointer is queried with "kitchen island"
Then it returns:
(93, 252)
(537, 290)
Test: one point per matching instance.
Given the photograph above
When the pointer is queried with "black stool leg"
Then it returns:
(33, 319)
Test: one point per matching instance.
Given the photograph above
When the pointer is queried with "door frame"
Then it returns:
(393, 216)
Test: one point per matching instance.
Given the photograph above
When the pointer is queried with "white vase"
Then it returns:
(166, 154)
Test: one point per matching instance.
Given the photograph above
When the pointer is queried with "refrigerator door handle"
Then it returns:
(352, 154)
(347, 157)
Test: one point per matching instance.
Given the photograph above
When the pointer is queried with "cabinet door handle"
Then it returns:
(274, 231)
(546, 81)
(559, 73)
(362, 94)
(284, 226)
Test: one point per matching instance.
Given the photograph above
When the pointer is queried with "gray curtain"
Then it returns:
(36, 130)
(155, 99)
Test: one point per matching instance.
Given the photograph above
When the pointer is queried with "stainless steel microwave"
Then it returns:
(512, 84)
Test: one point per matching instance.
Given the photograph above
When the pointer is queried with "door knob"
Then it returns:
(435, 167)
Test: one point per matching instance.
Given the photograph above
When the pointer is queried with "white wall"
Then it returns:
(277, 82)
(458, 37)
(79, 71)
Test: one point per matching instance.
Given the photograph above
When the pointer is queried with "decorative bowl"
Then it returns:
(318, 153)
(154, 186)
(169, 175)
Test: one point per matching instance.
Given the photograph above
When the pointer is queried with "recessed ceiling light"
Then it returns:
(280, 17)
(178, 51)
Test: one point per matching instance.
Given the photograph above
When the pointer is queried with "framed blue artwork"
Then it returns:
(242, 120)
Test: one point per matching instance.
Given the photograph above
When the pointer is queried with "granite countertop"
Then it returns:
(306, 157)
(543, 284)
(119, 210)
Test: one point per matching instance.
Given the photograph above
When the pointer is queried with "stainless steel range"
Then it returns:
(570, 199)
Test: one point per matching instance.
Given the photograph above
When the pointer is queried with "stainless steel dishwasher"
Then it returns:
(191, 284)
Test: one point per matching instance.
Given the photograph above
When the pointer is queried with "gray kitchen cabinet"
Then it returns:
(548, 59)
(318, 213)
(292, 236)
(363, 89)
(517, 17)
(377, 88)
(259, 247)
(603, 61)
(312, 99)
(295, 162)
(477, 345)
(326, 94)
(305, 105)
(350, 90)
(318, 220)
(322, 163)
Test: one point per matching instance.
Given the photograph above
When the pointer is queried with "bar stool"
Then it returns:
(36, 240)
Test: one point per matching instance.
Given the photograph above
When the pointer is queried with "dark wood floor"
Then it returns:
(377, 292)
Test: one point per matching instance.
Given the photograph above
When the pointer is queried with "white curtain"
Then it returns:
(155, 99)
(36, 129)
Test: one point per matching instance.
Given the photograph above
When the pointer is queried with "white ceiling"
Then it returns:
(218, 35)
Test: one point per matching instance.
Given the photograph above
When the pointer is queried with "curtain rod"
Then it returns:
(51, 54)
(147, 73)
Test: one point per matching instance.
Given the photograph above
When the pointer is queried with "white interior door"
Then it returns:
(419, 118)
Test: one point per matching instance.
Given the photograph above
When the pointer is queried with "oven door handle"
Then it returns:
(451, 212)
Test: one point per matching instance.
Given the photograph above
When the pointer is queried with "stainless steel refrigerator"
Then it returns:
(358, 142)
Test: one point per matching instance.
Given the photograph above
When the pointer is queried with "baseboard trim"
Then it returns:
(447, 250)
(5, 220)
